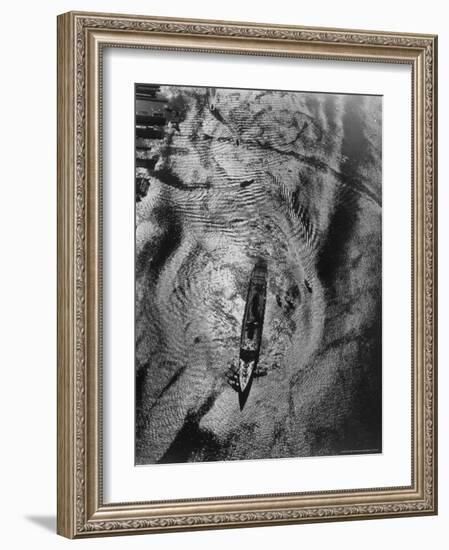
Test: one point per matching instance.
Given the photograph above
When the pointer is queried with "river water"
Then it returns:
(294, 179)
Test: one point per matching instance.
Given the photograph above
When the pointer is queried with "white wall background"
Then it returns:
(28, 271)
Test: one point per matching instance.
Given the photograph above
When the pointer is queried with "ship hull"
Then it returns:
(252, 328)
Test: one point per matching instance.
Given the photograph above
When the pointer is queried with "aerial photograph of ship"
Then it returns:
(258, 274)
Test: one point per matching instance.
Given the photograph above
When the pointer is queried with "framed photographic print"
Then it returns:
(246, 274)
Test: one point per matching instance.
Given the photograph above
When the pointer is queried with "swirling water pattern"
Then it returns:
(294, 178)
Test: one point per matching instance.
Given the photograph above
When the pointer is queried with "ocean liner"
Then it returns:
(252, 327)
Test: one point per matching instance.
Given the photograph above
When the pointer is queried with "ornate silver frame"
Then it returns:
(81, 37)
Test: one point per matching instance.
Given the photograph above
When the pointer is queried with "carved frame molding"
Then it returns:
(81, 37)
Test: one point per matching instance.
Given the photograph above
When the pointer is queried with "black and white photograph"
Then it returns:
(258, 274)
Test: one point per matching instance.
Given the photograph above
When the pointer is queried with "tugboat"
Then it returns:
(252, 327)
